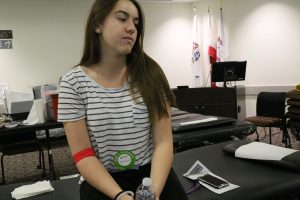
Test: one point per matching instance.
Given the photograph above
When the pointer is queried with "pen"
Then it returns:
(195, 187)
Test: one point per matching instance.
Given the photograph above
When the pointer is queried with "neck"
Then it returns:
(111, 72)
(112, 63)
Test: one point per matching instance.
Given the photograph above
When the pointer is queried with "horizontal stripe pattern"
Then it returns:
(115, 120)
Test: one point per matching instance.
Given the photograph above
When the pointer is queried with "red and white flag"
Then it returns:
(196, 54)
(221, 48)
(212, 39)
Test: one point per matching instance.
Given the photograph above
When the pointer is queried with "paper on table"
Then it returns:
(32, 190)
(199, 121)
(198, 169)
(262, 151)
(37, 113)
(14, 96)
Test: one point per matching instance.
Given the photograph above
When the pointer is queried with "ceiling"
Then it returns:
(187, 1)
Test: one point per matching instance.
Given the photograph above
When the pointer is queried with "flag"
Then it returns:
(212, 40)
(196, 54)
(221, 48)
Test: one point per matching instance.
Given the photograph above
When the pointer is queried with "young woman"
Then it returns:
(115, 106)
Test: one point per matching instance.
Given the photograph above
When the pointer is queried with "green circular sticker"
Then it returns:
(124, 160)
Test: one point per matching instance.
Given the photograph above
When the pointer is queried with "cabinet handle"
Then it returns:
(239, 109)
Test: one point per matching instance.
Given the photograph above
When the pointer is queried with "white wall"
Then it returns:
(263, 32)
(168, 39)
(266, 33)
(48, 38)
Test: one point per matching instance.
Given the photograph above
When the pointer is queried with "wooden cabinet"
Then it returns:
(208, 101)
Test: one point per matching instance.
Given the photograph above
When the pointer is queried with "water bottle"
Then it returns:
(145, 190)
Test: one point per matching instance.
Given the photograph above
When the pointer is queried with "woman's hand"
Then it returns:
(126, 197)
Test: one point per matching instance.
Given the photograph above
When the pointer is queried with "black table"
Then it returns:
(32, 128)
(214, 134)
(257, 180)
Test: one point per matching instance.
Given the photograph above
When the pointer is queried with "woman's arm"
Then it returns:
(90, 167)
(163, 152)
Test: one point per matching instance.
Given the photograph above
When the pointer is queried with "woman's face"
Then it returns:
(118, 32)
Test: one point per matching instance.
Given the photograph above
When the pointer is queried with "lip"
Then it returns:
(128, 39)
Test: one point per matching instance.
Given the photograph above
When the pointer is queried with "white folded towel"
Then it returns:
(25, 191)
(262, 151)
(37, 113)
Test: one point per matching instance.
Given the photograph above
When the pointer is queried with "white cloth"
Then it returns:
(37, 113)
(263, 151)
(25, 191)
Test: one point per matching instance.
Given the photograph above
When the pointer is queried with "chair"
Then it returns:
(12, 144)
(270, 112)
(293, 112)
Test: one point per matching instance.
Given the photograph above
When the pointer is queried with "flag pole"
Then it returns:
(196, 50)
(194, 9)
(212, 47)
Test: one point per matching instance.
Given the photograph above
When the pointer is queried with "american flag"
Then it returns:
(221, 48)
(212, 39)
(196, 54)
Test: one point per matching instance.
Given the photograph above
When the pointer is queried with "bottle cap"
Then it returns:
(147, 181)
(298, 87)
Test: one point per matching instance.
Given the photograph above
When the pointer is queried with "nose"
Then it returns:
(131, 28)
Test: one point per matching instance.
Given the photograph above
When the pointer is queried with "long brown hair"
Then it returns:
(145, 74)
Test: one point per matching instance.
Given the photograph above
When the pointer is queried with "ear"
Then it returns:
(98, 29)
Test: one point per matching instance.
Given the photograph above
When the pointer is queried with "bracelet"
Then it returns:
(120, 194)
(117, 195)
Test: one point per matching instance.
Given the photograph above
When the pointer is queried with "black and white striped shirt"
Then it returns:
(116, 122)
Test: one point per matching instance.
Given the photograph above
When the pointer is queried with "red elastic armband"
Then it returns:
(83, 154)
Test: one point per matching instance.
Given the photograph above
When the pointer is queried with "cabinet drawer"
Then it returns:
(212, 109)
(208, 101)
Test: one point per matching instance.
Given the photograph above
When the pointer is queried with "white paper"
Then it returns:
(32, 190)
(198, 169)
(262, 151)
(3, 103)
(3, 109)
(3, 87)
(69, 176)
(199, 121)
(37, 113)
(13, 96)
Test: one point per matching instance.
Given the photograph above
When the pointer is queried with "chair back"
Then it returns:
(271, 104)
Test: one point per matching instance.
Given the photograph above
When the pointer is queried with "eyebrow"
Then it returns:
(125, 13)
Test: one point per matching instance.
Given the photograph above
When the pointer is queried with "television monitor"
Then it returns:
(228, 71)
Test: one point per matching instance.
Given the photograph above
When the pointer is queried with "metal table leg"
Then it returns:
(50, 157)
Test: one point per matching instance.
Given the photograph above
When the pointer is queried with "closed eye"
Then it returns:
(122, 19)
(123, 16)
